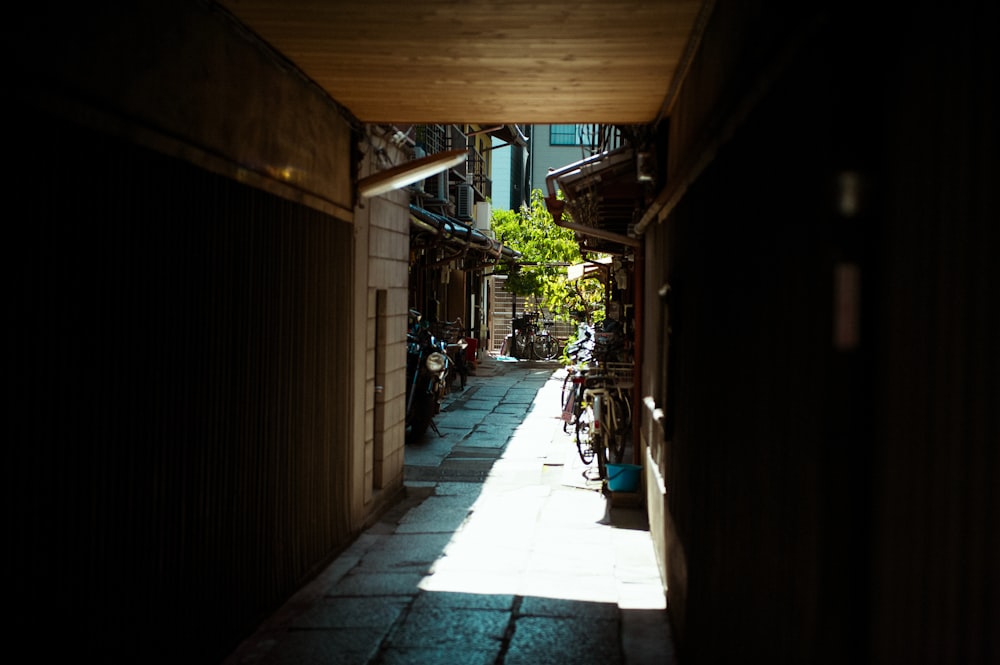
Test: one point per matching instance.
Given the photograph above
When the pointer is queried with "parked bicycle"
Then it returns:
(529, 341)
(572, 395)
(604, 422)
(580, 352)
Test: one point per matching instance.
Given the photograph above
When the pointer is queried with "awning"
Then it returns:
(454, 233)
(597, 267)
(602, 195)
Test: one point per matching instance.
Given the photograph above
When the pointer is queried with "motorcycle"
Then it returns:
(453, 335)
(427, 368)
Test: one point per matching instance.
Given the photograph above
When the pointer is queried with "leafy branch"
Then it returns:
(546, 251)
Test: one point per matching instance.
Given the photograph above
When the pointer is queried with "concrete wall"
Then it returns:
(382, 240)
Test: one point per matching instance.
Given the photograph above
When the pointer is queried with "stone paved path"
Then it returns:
(503, 552)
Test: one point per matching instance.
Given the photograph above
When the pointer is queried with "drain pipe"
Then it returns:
(555, 206)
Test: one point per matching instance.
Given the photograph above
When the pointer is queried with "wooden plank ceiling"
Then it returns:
(483, 61)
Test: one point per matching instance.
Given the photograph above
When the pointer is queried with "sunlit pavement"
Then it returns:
(504, 552)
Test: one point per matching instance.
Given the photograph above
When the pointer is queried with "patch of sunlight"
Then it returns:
(536, 530)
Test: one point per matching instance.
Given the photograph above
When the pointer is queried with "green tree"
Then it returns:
(546, 250)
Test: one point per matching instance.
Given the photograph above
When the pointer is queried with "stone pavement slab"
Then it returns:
(503, 553)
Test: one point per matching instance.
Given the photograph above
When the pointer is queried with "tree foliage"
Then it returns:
(546, 250)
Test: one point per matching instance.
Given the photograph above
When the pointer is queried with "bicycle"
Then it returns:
(572, 395)
(545, 345)
(580, 351)
(528, 341)
(604, 422)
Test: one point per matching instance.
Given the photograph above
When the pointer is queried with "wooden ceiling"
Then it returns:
(484, 61)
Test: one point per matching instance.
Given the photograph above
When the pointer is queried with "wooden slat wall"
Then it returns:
(937, 563)
(761, 533)
(833, 502)
(180, 430)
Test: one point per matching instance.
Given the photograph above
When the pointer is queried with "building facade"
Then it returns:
(554, 146)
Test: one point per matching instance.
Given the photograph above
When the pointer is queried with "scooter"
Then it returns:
(427, 368)
(453, 332)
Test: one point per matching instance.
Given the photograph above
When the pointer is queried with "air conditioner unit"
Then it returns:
(464, 202)
(437, 187)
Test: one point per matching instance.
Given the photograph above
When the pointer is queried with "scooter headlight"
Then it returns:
(435, 361)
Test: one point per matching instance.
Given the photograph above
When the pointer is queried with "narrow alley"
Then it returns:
(503, 552)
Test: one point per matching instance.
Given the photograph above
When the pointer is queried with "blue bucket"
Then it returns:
(623, 477)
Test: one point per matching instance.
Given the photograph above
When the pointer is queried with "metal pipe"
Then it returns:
(424, 225)
(448, 231)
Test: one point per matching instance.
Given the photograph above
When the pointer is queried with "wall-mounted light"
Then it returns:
(410, 172)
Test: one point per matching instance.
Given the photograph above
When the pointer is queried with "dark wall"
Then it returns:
(753, 429)
(831, 451)
(177, 461)
(936, 587)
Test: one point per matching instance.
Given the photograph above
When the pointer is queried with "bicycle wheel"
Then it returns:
(601, 453)
(617, 434)
(567, 404)
(519, 347)
(584, 435)
(545, 347)
(626, 404)
(567, 389)
(602, 431)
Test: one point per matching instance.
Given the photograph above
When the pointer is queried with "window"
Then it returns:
(572, 134)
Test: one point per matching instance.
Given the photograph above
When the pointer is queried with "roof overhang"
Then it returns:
(602, 196)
